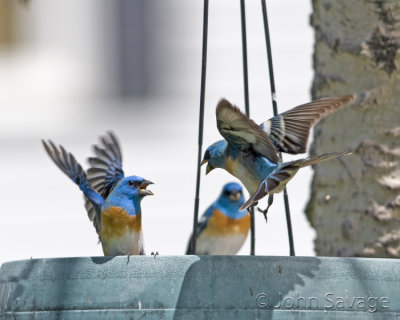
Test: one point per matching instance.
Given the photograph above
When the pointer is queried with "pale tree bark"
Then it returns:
(355, 201)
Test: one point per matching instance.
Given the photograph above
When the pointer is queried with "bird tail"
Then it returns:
(277, 181)
(317, 159)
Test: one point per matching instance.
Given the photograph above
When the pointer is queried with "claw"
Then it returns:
(264, 212)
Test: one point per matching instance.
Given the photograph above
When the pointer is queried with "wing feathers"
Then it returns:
(242, 133)
(295, 124)
(105, 170)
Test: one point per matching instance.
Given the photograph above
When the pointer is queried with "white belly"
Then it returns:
(247, 178)
(220, 245)
(131, 243)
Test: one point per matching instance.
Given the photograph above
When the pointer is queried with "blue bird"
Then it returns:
(112, 200)
(223, 228)
(250, 152)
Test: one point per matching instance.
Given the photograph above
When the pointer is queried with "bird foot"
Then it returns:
(264, 212)
(155, 254)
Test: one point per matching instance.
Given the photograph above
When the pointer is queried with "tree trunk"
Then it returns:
(355, 201)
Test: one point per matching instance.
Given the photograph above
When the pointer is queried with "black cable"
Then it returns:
(247, 108)
(201, 122)
(275, 109)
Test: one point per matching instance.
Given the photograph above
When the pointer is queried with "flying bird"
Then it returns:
(113, 201)
(223, 228)
(250, 151)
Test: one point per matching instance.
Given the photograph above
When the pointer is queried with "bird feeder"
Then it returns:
(200, 287)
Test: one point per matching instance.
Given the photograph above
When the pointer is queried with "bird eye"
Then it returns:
(131, 183)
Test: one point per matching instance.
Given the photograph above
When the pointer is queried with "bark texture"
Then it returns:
(355, 201)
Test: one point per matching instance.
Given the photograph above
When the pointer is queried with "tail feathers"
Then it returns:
(277, 181)
(314, 160)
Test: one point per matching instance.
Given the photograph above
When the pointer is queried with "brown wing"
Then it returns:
(289, 131)
(242, 133)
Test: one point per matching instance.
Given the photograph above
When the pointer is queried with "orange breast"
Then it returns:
(219, 224)
(115, 222)
(229, 165)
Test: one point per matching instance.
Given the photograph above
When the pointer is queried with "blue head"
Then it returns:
(128, 193)
(214, 156)
(231, 199)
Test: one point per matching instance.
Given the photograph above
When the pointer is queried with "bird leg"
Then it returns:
(270, 201)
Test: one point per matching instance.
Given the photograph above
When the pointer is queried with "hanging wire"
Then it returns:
(247, 108)
(275, 109)
(201, 122)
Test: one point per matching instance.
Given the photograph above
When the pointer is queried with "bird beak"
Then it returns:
(209, 168)
(142, 188)
(204, 161)
(234, 196)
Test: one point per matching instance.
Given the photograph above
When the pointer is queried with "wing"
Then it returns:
(242, 133)
(277, 181)
(67, 163)
(201, 225)
(289, 131)
(105, 171)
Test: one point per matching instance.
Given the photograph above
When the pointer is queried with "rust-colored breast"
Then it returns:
(115, 222)
(219, 224)
(229, 164)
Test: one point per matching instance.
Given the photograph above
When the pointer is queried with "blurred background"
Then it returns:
(71, 70)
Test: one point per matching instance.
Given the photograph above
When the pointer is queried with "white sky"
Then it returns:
(54, 87)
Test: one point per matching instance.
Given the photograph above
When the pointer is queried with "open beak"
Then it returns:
(142, 188)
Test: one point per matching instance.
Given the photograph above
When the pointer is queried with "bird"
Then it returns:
(250, 152)
(223, 228)
(113, 201)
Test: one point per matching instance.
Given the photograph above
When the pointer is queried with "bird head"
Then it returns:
(133, 186)
(214, 156)
(231, 199)
(232, 191)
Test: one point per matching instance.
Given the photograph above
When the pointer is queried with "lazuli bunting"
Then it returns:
(114, 199)
(223, 228)
(250, 152)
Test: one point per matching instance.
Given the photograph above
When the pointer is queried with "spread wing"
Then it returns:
(105, 171)
(289, 131)
(67, 163)
(242, 133)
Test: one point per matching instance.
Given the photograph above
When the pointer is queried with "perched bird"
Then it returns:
(250, 152)
(223, 228)
(113, 201)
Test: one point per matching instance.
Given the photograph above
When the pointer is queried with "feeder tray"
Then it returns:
(200, 287)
